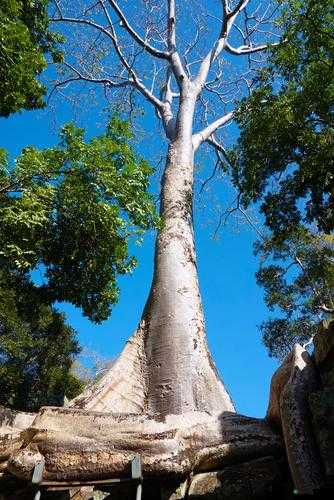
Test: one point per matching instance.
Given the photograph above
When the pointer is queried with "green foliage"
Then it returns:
(69, 213)
(25, 40)
(297, 274)
(284, 161)
(73, 209)
(37, 348)
(286, 148)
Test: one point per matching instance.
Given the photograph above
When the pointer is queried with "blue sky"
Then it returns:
(233, 303)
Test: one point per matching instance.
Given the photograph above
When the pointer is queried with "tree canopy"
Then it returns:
(72, 210)
(297, 275)
(67, 214)
(284, 161)
(37, 347)
(25, 42)
(285, 154)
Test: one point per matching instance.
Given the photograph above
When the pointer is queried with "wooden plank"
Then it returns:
(76, 484)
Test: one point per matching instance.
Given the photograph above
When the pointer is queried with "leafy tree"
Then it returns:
(286, 147)
(72, 209)
(284, 161)
(69, 212)
(297, 274)
(25, 42)
(37, 348)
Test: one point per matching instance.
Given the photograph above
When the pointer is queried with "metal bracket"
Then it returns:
(136, 474)
(38, 483)
(37, 477)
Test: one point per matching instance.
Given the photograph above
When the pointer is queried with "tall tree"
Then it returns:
(284, 161)
(191, 76)
(175, 410)
(25, 42)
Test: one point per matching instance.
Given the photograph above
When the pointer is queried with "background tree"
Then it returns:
(70, 212)
(297, 274)
(284, 161)
(37, 348)
(67, 214)
(25, 42)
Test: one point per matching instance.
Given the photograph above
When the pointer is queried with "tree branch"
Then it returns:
(238, 8)
(167, 98)
(110, 33)
(171, 32)
(103, 81)
(175, 60)
(247, 49)
(207, 132)
(228, 21)
(143, 43)
(136, 81)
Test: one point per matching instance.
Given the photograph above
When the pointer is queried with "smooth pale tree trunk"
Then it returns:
(163, 397)
(166, 367)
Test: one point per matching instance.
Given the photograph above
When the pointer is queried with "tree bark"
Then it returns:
(291, 386)
(166, 367)
(83, 445)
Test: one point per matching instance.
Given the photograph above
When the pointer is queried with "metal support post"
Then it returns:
(37, 478)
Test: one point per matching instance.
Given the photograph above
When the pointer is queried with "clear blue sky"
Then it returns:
(233, 303)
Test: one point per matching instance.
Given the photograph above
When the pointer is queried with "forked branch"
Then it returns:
(228, 21)
(207, 132)
(133, 33)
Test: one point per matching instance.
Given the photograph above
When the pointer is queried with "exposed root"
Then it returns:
(88, 445)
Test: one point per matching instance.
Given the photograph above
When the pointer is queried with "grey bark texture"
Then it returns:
(289, 408)
(82, 445)
(322, 401)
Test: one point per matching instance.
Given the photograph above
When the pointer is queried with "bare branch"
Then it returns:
(247, 49)
(189, 48)
(136, 81)
(204, 183)
(167, 98)
(110, 33)
(174, 57)
(296, 260)
(171, 36)
(326, 309)
(228, 21)
(172, 54)
(103, 81)
(143, 43)
(207, 132)
(238, 8)
(86, 22)
(219, 147)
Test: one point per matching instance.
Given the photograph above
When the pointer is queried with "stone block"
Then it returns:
(255, 479)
